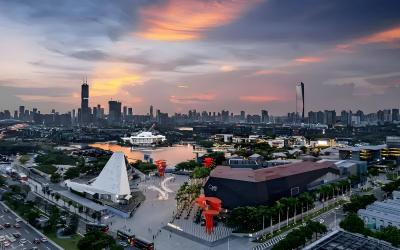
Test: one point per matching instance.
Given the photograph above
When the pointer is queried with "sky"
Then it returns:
(201, 54)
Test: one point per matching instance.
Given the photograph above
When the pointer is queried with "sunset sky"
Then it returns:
(203, 54)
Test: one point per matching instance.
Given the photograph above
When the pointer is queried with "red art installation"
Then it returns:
(161, 166)
(211, 207)
(208, 162)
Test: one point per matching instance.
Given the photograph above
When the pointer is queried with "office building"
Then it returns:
(300, 100)
(114, 112)
(85, 112)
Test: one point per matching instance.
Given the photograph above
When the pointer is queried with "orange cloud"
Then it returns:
(308, 59)
(386, 36)
(109, 81)
(269, 72)
(178, 20)
(195, 98)
(258, 98)
(227, 68)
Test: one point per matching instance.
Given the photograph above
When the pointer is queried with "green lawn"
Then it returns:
(70, 243)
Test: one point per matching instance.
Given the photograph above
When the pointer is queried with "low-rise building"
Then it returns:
(248, 187)
(382, 213)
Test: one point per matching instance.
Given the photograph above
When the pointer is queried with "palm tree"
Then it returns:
(278, 207)
(307, 199)
(286, 203)
(271, 212)
(295, 203)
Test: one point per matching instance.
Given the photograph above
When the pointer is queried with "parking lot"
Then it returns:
(20, 237)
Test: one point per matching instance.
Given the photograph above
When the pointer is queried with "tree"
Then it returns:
(354, 224)
(97, 240)
(57, 196)
(279, 206)
(72, 173)
(201, 172)
(55, 178)
(2, 181)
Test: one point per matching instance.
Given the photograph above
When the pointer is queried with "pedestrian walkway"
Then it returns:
(269, 243)
(187, 226)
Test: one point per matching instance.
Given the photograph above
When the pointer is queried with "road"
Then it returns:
(26, 233)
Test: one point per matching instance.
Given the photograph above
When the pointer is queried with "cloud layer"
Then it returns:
(205, 54)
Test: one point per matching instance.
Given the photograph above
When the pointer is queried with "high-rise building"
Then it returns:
(395, 115)
(151, 112)
(21, 112)
(130, 111)
(300, 99)
(125, 112)
(330, 117)
(85, 113)
(114, 112)
(264, 116)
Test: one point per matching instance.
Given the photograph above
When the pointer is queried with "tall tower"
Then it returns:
(300, 100)
(85, 116)
(151, 112)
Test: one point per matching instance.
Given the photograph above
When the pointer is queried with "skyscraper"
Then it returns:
(151, 112)
(114, 112)
(264, 116)
(300, 99)
(85, 116)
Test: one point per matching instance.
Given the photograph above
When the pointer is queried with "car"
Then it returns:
(2, 238)
(36, 241)
(6, 243)
(123, 244)
(34, 248)
(11, 238)
(7, 225)
(16, 235)
(43, 240)
(5, 210)
(321, 221)
(22, 241)
(1, 227)
(17, 225)
(18, 220)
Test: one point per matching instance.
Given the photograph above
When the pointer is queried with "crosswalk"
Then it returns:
(269, 243)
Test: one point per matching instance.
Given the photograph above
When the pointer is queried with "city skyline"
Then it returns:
(235, 55)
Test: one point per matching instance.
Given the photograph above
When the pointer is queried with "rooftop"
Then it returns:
(264, 174)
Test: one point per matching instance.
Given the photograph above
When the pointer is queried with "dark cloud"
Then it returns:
(311, 21)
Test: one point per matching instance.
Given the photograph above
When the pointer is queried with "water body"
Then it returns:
(173, 155)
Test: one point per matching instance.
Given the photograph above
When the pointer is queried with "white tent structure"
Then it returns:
(112, 183)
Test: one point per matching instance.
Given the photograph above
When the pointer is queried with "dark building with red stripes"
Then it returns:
(248, 187)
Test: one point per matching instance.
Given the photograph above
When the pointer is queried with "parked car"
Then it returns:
(1, 227)
(16, 235)
(22, 241)
(43, 240)
(36, 241)
(7, 225)
(18, 220)
(17, 225)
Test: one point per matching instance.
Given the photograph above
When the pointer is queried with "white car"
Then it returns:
(18, 220)
(2, 238)
(321, 221)
(22, 241)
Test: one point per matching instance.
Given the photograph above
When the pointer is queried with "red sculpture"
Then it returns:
(208, 162)
(211, 207)
(161, 166)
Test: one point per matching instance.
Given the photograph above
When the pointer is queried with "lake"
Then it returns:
(173, 155)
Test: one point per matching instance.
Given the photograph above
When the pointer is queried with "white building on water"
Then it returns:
(382, 213)
(145, 138)
(112, 184)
